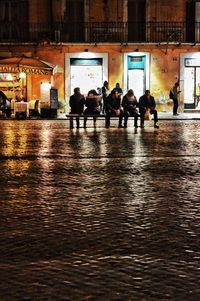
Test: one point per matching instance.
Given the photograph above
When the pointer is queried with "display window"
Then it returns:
(13, 85)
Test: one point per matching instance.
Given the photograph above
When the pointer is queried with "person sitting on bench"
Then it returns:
(76, 103)
(93, 104)
(129, 104)
(114, 108)
(147, 103)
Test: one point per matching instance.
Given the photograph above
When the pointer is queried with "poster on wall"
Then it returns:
(54, 98)
(136, 81)
(86, 77)
(86, 73)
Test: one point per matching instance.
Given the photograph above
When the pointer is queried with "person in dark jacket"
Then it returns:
(105, 92)
(113, 107)
(147, 102)
(118, 88)
(129, 104)
(76, 103)
(174, 92)
(93, 104)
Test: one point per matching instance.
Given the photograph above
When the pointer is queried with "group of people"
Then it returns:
(111, 104)
(7, 103)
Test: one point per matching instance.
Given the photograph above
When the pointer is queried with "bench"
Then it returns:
(72, 117)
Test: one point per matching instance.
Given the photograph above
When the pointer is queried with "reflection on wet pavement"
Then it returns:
(99, 214)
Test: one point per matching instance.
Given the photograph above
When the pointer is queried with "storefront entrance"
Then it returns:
(190, 80)
(192, 87)
(136, 72)
(86, 70)
(86, 74)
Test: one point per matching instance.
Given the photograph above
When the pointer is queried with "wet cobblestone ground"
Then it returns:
(105, 214)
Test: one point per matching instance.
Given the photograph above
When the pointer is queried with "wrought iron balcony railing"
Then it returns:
(97, 32)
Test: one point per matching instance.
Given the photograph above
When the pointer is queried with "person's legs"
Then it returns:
(77, 122)
(142, 113)
(136, 120)
(125, 121)
(120, 119)
(107, 120)
(120, 122)
(175, 106)
(155, 116)
(104, 106)
(85, 121)
(94, 121)
(126, 115)
(71, 123)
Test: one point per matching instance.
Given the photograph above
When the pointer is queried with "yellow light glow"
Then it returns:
(9, 77)
(22, 75)
(45, 86)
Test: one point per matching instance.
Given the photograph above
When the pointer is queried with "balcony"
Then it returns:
(96, 32)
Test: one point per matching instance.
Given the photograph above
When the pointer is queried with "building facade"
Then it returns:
(141, 44)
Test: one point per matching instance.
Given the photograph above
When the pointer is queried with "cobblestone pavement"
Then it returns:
(105, 214)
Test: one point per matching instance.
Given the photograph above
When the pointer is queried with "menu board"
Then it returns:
(54, 98)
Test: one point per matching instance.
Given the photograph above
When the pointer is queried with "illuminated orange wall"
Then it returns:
(164, 65)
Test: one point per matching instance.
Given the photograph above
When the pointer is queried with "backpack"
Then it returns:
(171, 95)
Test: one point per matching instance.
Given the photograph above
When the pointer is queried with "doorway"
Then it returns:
(192, 87)
(136, 72)
(136, 81)
(136, 20)
(86, 74)
(87, 70)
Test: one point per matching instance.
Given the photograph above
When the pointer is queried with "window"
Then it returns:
(193, 21)
(74, 20)
(136, 20)
(13, 18)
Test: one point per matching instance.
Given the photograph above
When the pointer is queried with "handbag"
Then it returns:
(147, 115)
(117, 112)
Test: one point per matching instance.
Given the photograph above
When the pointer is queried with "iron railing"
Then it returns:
(100, 32)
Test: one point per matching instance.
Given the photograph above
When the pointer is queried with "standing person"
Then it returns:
(129, 103)
(174, 96)
(105, 92)
(113, 108)
(93, 104)
(119, 89)
(147, 103)
(76, 103)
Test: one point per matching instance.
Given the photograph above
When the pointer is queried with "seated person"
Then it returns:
(76, 103)
(93, 104)
(119, 89)
(147, 102)
(105, 92)
(129, 104)
(113, 108)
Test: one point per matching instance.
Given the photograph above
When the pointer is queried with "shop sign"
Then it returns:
(192, 62)
(27, 70)
(86, 62)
